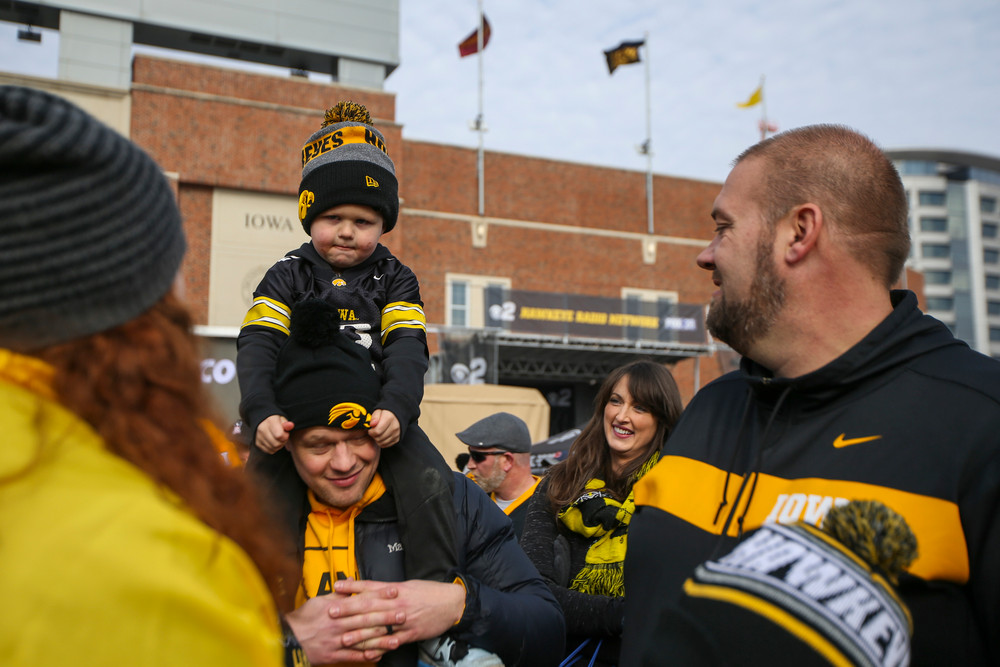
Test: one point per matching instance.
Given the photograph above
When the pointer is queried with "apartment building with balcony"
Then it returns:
(954, 202)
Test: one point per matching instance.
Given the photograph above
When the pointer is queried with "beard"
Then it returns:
(741, 322)
(491, 482)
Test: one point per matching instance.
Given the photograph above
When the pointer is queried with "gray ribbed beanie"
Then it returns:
(346, 162)
(90, 233)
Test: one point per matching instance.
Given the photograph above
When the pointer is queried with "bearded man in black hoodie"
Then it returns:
(845, 391)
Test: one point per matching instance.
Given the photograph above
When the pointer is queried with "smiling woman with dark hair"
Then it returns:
(578, 519)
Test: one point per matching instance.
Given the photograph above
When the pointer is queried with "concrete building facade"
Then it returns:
(356, 42)
(955, 227)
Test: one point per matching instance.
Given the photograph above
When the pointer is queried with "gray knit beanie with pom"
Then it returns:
(90, 233)
(346, 162)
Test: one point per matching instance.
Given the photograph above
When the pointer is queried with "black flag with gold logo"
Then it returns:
(625, 53)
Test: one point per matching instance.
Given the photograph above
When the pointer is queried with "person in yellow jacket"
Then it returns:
(125, 539)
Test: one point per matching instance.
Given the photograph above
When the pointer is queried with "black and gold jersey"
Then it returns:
(379, 306)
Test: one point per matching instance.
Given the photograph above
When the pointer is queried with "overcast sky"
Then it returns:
(909, 73)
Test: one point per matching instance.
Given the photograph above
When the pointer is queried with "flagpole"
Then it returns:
(480, 163)
(763, 110)
(649, 145)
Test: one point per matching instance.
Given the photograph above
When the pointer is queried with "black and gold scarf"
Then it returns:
(597, 515)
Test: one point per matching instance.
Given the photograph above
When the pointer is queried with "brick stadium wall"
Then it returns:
(233, 129)
(443, 178)
(221, 128)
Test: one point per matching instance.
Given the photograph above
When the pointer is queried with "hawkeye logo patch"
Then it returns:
(349, 415)
(371, 182)
(306, 200)
(841, 441)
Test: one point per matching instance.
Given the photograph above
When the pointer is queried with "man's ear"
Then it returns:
(806, 222)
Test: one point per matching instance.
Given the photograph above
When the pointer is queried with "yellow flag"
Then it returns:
(754, 98)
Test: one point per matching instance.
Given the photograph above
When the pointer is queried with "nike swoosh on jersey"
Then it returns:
(841, 441)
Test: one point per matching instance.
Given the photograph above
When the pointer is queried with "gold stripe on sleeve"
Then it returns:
(402, 315)
(268, 313)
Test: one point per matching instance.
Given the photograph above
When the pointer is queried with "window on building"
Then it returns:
(988, 204)
(464, 298)
(459, 309)
(933, 224)
(935, 250)
(994, 334)
(993, 307)
(917, 167)
(937, 277)
(940, 303)
(992, 281)
(991, 256)
(929, 198)
(990, 230)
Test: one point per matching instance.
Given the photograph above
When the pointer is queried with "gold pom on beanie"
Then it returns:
(877, 534)
(347, 111)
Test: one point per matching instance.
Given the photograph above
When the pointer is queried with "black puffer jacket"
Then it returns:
(508, 608)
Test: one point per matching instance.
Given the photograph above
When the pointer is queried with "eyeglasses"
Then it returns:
(479, 457)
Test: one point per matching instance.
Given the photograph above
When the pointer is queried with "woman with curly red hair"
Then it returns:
(124, 537)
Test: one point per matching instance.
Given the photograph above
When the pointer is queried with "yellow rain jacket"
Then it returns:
(99, 565)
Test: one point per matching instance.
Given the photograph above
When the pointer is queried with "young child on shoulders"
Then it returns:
(348, 198)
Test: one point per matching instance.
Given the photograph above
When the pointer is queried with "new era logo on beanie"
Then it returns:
(91, 234)
(346, 162)
(323, 378)
(796, 594)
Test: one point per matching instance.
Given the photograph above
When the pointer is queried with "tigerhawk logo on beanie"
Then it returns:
(349, 415)
(306, 200)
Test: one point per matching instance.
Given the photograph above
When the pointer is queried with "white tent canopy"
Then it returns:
(450, 408)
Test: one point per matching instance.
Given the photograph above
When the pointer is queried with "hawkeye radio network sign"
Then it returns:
(575, 315)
